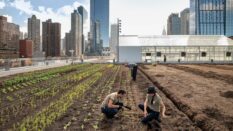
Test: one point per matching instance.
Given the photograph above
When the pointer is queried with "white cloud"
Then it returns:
(2, 4)
(61, 15)
(9, 18)
(23, 29)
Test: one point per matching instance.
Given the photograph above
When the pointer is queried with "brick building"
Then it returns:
(9, 38)
(25, 48)
(51, 38)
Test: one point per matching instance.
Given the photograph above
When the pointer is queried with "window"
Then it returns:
(183, 54)
(228, 54)
(158, 54)
(148, 54)
(203, 54)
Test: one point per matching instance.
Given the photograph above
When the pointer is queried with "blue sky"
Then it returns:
(139, 17)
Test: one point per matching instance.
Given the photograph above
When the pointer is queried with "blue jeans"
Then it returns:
(151, 115)
(109, 112)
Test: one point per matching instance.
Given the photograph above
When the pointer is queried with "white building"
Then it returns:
(114, 39)
(176, 48)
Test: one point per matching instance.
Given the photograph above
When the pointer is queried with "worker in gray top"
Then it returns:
(112, 103)
(151, 107)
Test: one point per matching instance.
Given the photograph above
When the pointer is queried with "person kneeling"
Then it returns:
(112, 103)
(151, 107)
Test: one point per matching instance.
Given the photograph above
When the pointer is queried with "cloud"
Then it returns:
(23, 29)
(9, 18)
(61, 15)
(2, 4)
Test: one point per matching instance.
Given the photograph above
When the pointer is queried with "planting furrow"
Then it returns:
(37, 101)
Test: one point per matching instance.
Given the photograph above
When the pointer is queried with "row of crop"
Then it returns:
(41, 95)
(45, 117)
(34, 88)
(40, 75)
(105, 84)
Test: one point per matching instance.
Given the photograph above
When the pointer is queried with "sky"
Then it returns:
(139, 17)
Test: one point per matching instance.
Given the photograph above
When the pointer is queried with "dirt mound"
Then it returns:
(228, 94)
(213, 113)
(159, 75)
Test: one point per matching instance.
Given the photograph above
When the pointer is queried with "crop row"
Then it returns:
(91, 120)
(41, 96)
(49, 114)
(29, 79)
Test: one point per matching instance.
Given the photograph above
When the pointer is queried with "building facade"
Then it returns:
(25, 48)
(51, 35)
(184, 18)
(173, 24)
(83, 12)
(114, 38)
(76, 34)
(99, 11)
(34, 32)
(176, 48)
(68, 39)
(211, 17)
(9, 34)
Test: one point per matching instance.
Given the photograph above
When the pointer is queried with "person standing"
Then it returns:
(134, 70)
(165, 58)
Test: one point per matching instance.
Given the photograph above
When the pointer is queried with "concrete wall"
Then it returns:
(130, 54)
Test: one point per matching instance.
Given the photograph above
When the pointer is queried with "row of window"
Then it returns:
(183, 54)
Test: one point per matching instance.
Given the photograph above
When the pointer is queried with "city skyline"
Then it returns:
(149, 11)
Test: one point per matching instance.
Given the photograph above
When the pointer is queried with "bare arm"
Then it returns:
(145, 106)
(111, 105)
(163, 109)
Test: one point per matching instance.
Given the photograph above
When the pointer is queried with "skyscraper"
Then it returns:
(100, 13)
(51, 33)
(67, 43)
(211, 17)
(114, 39)
(173, 24)
(76, 33)
(83, 12)
(184, 17)
(34, 33)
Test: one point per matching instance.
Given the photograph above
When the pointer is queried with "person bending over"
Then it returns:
(112, 103)
(151, 107)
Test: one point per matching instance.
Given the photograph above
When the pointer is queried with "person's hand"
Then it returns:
(145, 113)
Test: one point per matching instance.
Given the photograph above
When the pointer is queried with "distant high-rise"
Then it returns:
(68, 39)
(9, 34)
(211, 17)
(114, 39)
(51, 35)
(173, 24)
(83, 12)
(34, 32)
(100, 13)
(96, 38)
(184, 17)
(76, 34)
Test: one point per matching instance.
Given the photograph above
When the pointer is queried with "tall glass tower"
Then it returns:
(100, 13)
(211, 17)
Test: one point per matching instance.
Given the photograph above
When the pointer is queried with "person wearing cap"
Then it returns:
(112, 103)
(151, 107)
